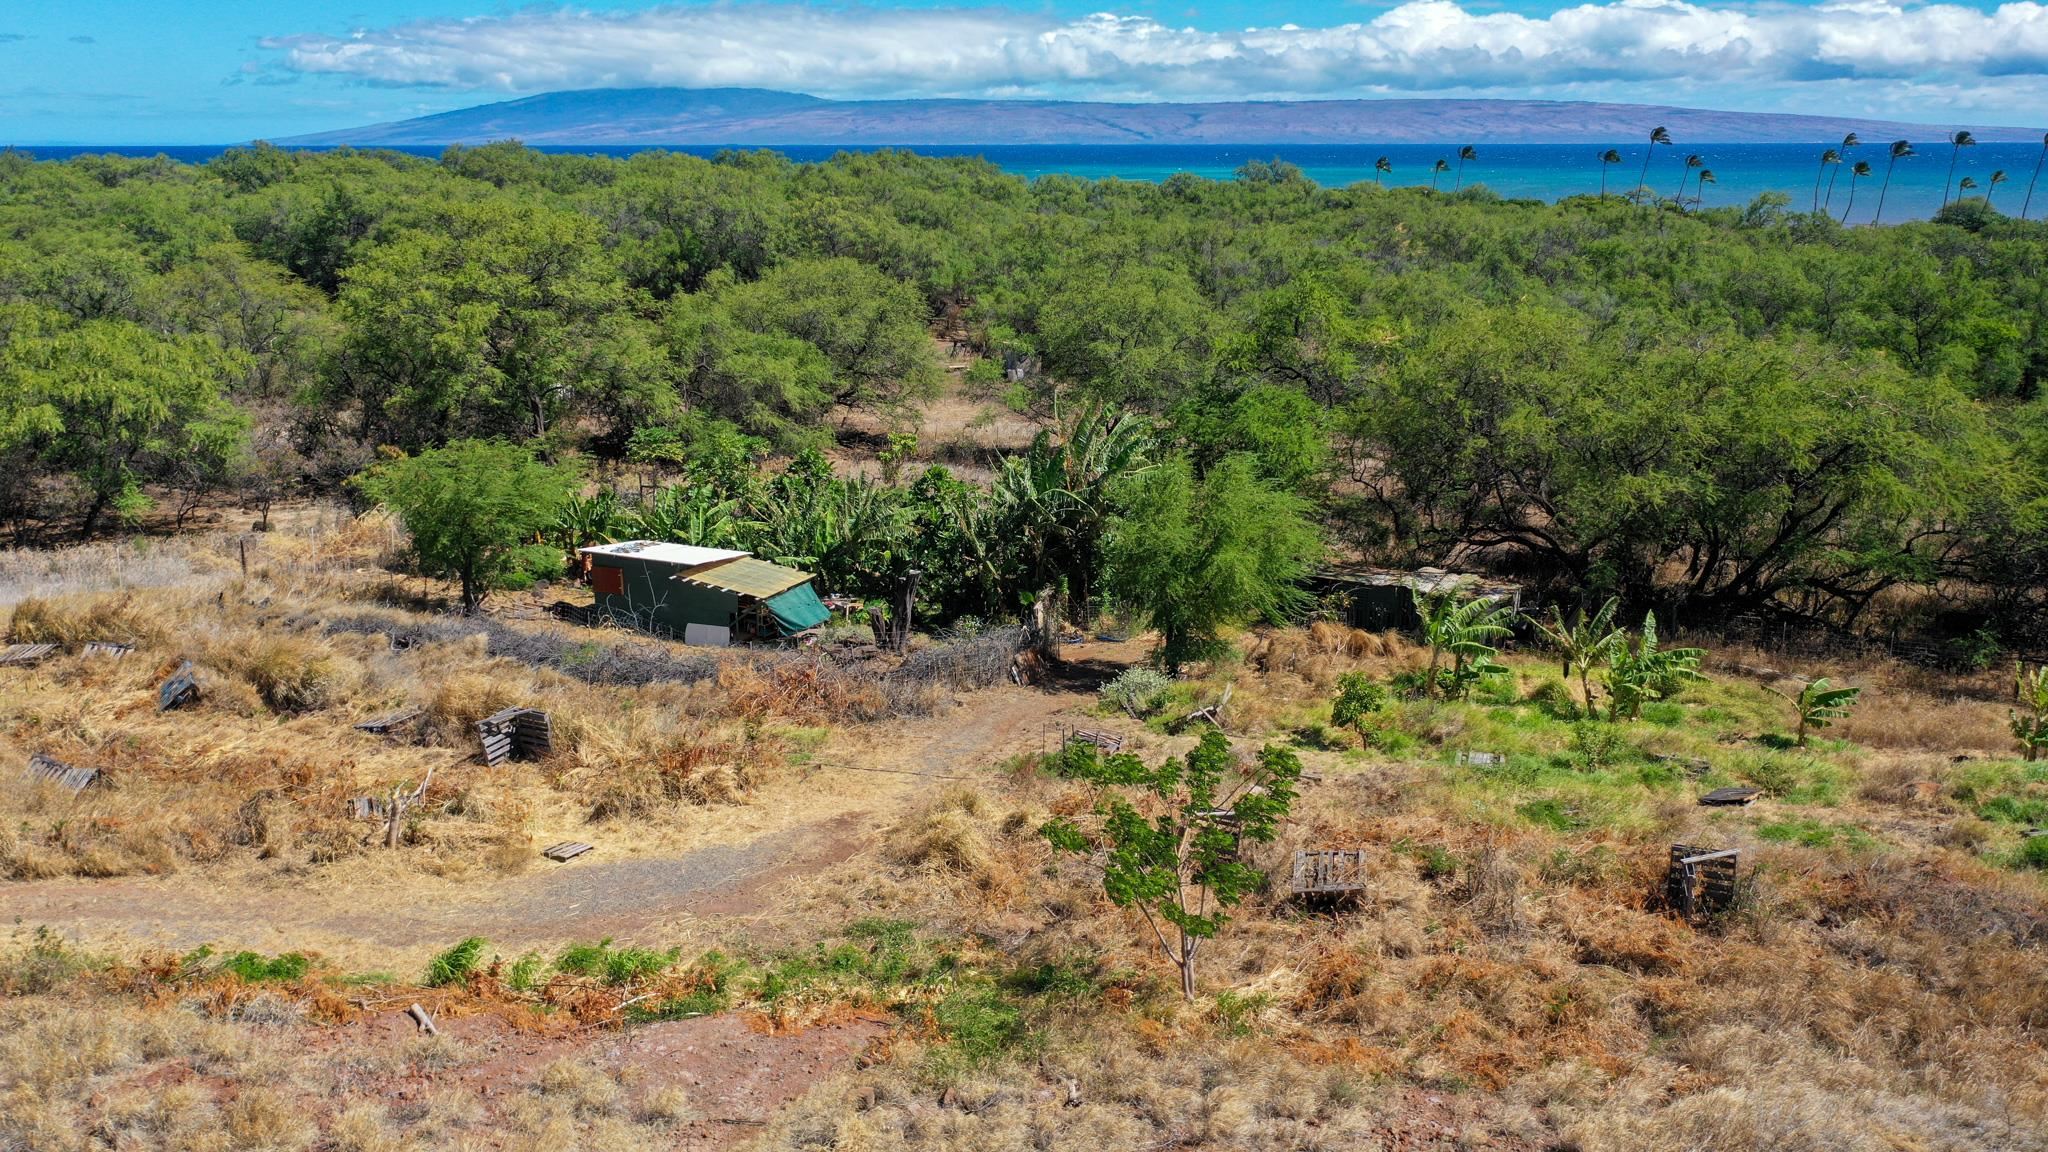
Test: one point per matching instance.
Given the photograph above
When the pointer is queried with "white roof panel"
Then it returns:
(681, 555)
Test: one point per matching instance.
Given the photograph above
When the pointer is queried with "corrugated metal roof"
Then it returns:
(684, 555)
(1424, 581)
(747, 577)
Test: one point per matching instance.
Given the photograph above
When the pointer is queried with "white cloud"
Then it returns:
(1421, 46)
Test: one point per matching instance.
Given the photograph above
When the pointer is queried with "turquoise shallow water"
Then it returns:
(1538, 171)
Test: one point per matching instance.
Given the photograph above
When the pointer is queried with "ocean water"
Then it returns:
(1534, 171)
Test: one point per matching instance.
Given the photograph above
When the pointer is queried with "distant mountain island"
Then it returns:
(755, 116)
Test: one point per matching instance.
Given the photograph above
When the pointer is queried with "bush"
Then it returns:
(1138, 691)
(455, 965)
(614, 966)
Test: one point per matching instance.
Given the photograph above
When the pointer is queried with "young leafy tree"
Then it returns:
(1819, 704)
(1639, 671)
(1466, 631)
(1583, 644)
(1191, 556)
(1358, 701)
(2030, 727)
(1170, 835)
(470, 508)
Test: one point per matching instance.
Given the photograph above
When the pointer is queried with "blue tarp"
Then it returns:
(797, 609)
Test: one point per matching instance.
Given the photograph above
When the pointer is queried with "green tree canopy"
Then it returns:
(470, 508)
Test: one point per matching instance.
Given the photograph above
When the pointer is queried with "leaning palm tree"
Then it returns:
(1848, 142)
(1997, 178)
(1658, 135)
(1900, 150)
(1969, 184)
(1856, 173)
(1706, 177)
(1957, 141)
(1465, 153)
(2029, 201)
(1827, 158)
(1611, 156)
(1381, 167)
(1693, 162)
(1436, 170)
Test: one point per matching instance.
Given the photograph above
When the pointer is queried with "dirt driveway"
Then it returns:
(379, 915)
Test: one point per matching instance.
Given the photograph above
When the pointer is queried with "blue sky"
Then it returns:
(122, 72)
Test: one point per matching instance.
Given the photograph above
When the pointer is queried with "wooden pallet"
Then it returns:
(44, 767)
(24, 655)
(566, 851)
(1701, 881)
(1329, 871)
(1731, 797)
(1481, 759)
(516, 733)
(385, 725)
(110, 648)
(181, 689)
(1103, 740)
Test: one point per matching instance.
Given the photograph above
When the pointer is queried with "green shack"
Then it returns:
(714, 596)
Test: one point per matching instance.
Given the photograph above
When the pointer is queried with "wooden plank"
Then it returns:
(565, 851)
(110, 648)
(1481, 759)
(383, 725)
(1730, 797)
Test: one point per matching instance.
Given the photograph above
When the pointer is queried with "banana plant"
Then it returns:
(586, 520)
(2030, 727)
(1819, 704)
(1639, 671)
(1582, 645)
(692, 514)
(1462, 630)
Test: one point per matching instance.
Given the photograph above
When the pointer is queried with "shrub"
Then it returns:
(1138, 691)
(455, 965)
(1358, 703)
(614, 966)
(2032, 854)
(255, 969)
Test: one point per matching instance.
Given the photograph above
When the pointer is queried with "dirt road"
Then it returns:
(374, 913)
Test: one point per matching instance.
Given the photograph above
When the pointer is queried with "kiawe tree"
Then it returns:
(1190, 555)
(471, 508)
(1170, 837)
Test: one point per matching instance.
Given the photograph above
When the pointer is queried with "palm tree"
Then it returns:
(1465, 153)
(1442, 166)
(1611, 156)
(1997, 178)
(1848, 142)
(1658, 135)
(1861, 169)
(1706, 178)
(1826, 158)
(1900, 150)
(1957, 141)
(1968, 183)
(1380, 167)
(2029, 201)
(1692, 161)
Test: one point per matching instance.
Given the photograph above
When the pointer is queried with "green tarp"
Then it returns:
(797, 609)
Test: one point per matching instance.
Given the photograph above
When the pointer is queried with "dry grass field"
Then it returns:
(819, 914)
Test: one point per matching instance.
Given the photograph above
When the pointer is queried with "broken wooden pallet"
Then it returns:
(1701, 881)
(1103, 740)
(565, 851)
(23, 655)
(111, 648)
(1213, 714)
(44, 767)
(1328, 871)
(385, 725)
(522, 733)
(1481, 759)
(181, 689)
(1731, 797)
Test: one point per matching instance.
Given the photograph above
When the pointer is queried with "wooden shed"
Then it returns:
(713, 596)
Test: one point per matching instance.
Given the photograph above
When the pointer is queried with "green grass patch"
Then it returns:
(455, 965)
(613, 966)
(1815, 834)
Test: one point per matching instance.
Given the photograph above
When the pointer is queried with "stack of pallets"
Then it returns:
(1701, 881)
(516, 733)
